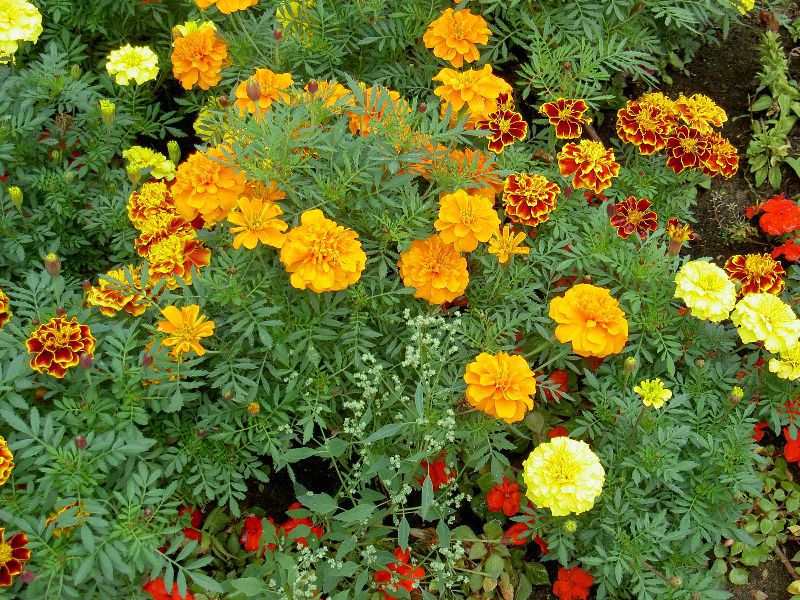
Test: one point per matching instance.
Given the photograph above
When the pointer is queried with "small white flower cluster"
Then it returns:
(305, 585)
(453, 580)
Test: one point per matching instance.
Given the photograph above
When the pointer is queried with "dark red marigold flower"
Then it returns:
(13, 556)
(400, 574)
(758, 273)
(529, 199)
(687, 149)
(723, 158)
(573, 584)
(566, 114)
(504, 126)
(504, 497)
(437, 471)
(633, 216)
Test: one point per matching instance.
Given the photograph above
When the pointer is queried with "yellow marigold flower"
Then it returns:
(768, 319)
(132, 62)
(226, 6)
(185, 328)
(114, 293)
(151, 200)
(592, 165)
(257, 93)
(653, 392)
(332, 93)
(174, 256)
(435, 268)
(58, 345)
(207, 184)
(590, 318)
(254, 408)
(159, 227)
(198, 55)
(563, 475)
(788, 365)
(700, 112)
(454, 35)
(256, 222)
(464, 220)
(6, 461)
(53, 518)
(141, 158)
(5, 309)
(744, 6)
(756, 272)
(19, 21)
(506, 243)
(706, 289)
(476, 89)
(501, 386)
(322, 255)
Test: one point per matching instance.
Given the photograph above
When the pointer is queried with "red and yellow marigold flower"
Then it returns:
(151, 200)
(529, 199)
(226, 6)
(174, 256)
(723, 157)
(6, 461)
(58, 345)
(500, 385)
(115, 293)
(465, 220)
(687, 148)
(591, 319)
(198, 55)
(478, 90)
(53, 519)
(5, 309)
(504, 125)
(633, 216)
(185, 327)
(435, 268)
(757, 273)
(506, 243)
(592, 165)
(454, 36)
(647, 122)
(256, 221)
(160, 227)
(13, 556)
(567, 116)
(379, 105)
(321, 254)
(700, 112)
(256, 94)
(679, 232)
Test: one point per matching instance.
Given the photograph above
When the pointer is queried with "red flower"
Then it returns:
(789, 250)
(400, 574)
(558, 432)
(723, 157)
(558, 382)
(687, 149)
(251, 534)
(758, 431)
(573, 584)
(191, 533)
(504, 497)
(158, 591)
(504, 125)
(780, 215)
(790, 409)
(791, 451)
(437, 471)
(631, 216)
(14, 557)
(317, 530)
(516, 535)
(567, 116)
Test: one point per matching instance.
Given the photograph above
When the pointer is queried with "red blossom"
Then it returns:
(567, 115)
(573, 584)
(758, 431)
(558, 432)
(158, 591)
(437, 471)
(399, 574)
(557, 385)
(632, 216)
(780, 215)
(687, 148)
(504, 125)
(504, 497)
(790, 250)
(287, 527)
(791, 451)
(252, 531)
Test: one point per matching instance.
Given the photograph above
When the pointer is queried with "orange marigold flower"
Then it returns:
(454, 35)
(566, 114)
(115, 292)
(504, 126)
(198, 57)
(257, 93)
(331, 93)
(679, 233)
(757, 273)
(5, 309)
(529, 199)
(435, 268)
(13, 556)
(591, 164)
(185, 328)
(723, 157)
(256, 222)
(379, 104)
(227, 6)
(507, 243)
(58, 344)
(478, 90)
(6, 461)
(590, 318)
(700, 112)
(464, 220)
(151, 200)
(687, 149)
(781, 215)
(501, 386)
(647, 121)
(159, 227)
(322, 255)
(174, 256)
(632, 216)
(480, 168)
(268, 192)
(207, 184)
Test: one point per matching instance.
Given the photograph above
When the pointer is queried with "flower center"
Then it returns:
(325, 249)
(562, 468)
(635, 217)
(759, 266)
(5, 553)
(688, 144)
(467, 216)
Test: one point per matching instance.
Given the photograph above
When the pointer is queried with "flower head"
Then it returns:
(159, 227)
(573, 584)
(226, 7)
(653, 392)
(678, 232)
(787, 366)
(132, 62)
(158, 590)
(590, 318)
(5, 309)
(435, 268)
(700, 112)
(174, 256)
(768, 319)
(380, 106)
(465, 220)
(706, 289)
(13, 556)
(478, 90)
(505, 243)
(529, 199)
(400, 574)
(454, 35)
(567, 115)
(253, 529)
(19, 21)
(504, 126)
(632, 216)
(52, 520)
(791, 451)
(757, 273)
(115, 293)
(723, 157)
(563, 475)
(151, 200)
(198, 56)
(687, 148)
(155, 163)
(504, 497)
(256, 222)
(266, 87)
(6, 461)
(185, 327)
(647, 122)
(58, 345)
(500, 385)
(780, 215)
(592, 165)
(790, 250)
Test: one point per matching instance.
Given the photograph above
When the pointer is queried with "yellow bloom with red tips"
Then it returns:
(757, 273)
(647, 122)
(592, 165)
(57, 345)
(256, 222)
(529, 199)
(679, 232)
(159, 227)
(500, 385)
(478, 90)
(115, 293)
(256, 94)
(723, 157)
(700, 112)
(6, 461)
(567, 116)
(175, 256)
(465, 220)
(435, 268)
(506, 243)
(151, 200)
(454, 36)
(185, 327)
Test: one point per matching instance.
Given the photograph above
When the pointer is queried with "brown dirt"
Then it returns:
(770, 578)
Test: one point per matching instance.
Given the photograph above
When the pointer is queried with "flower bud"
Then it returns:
(254, 408)
(737, 393)
(224, 101)
(81, 443)
(675, 582)
(52, 264)
(630, 364)
(134, 174)
(277, 34)
(75, 71)
(728, 543)
(27, 576)
(107, 111)
(422, 107)
(86, 285)
(570, 526)
(201, 433)
(147, 511)
(568, 189)
(228, 395)
(55, 155)
(147, 359)
(69, 176)
(174, 151)
(700, 362)
(253, 89)
(567, 66)
(312, 86)
(85, 361)
(611, 209)
(15, 193)
(61, 311)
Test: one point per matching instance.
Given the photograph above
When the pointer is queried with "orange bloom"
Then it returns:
(227, 6)
(590, 162)
(757, 273)
(687, 149)
(186, 327)
(58, 344)
(322, 255)
(723, 157)
(454, 35)
(529, 199)
(5, 309)
(501, 386)
(464, 220)
(152, 200)
(435, 268)
(478, 90)
(700, 112)
(647, 121)
(6, 461)
(174, 256)
(590, 318)
(480, 168)
(268, 192)
(207, 184)
(13, 556)
(379, 104)
(507, 243)
(263, 88)
(567, 116)
(679, 233)
(159, 227)
(330, 93)
(198, 57)
(115, 293)
(256, 222)
(633, 216)
(504, 125)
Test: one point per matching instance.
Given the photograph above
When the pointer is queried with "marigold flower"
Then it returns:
(744, 6)
(573, 584)
(226, 7)
(198, 56)
(158, 165)
(647, 122)
(700, 112)
(592, 165)
(379, 105)
(504, 126)
(53, 519)
(500, 385)
(723, 157)
(478, 90)
(322, 255)
(454, 35)
(151, 200)
(332, 93)
(678, 232)
(254, 408)
(479, 167)
(271, 88)
(687, 148)
(6, 461)
(207, 184)
(653, 392)
(785, 367)
(13, 556)
(590, 318)
(757, 273)
(19, 21)
(399, 574)
(504, 497)
(5, 309)
(706, 290)
(464, 220)
(529, 199)
(185, 326)
(567, 115)
(158, 228)
(768, 319)
(256, 222)
(114, 293)
(158, 590)
(507, 243)
(139, 63)
(174, 256)
(632, 216)
(435, 268)
(780, 215)
(58, 344)
(563, 475)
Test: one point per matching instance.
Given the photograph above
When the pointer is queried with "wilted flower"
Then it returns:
(505, 243)
(465, 220)
(632, 216)
(567, 115)
(185, 327)
(757, 273)
(500, 385)
(435, 268)
(139, 63)
(58, 344)
(592, 165)
(653, 392)
(590, 318)
(529, 199)
(768, 319)
(706, 289)
(454, 35)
